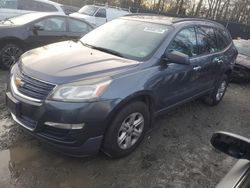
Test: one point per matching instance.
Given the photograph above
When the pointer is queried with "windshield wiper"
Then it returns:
(7, 20)
(103, 49)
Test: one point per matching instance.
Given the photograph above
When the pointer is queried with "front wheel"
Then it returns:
(216, 96)
(126, 130)
(9, 54)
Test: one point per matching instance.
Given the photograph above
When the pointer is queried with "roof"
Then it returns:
(161, 19)
(109, 7)
(50, 2)
(30, 17)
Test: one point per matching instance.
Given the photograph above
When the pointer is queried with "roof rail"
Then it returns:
(178, 19)
(115, 7)
(143, 14)
(174, 20)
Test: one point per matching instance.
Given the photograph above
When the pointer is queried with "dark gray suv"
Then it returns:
(103, 91)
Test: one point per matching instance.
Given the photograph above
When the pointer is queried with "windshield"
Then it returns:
(243, 46)
(129, 38)
(21, 20)
(88, 10)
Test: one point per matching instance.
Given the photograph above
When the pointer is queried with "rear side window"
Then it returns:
(101, 13)
(44, 7)
(78, 26)
(223, 38)
(185, 42)
(26, 5)
(36, 6)
(206, 40)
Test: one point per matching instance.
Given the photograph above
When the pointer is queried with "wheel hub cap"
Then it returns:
(130, 130)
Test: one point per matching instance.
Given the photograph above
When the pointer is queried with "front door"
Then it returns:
(178, 82)
(47, 31)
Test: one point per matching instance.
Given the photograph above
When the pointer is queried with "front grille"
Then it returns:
(33, 88)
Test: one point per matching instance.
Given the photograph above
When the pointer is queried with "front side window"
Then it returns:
(132, 39)
(78, 26)
(53, 24)
(88, 10)
(206, 40)
(185, 42)
(101, 13)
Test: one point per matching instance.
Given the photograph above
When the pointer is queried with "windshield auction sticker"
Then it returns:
(154, 30)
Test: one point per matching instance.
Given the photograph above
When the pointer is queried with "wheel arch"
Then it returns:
(228, 72)
(13, 40)
(143, 96)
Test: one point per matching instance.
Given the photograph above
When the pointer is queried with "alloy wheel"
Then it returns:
(10, 55)
(130, 130)
(221, 90)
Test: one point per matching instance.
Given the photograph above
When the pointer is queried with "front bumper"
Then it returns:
(81, 142)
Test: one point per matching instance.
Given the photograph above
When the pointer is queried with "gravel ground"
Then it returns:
(177, 153)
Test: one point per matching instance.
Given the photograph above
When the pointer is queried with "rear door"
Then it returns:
(227, 54)
(52, 29)
(207, 63)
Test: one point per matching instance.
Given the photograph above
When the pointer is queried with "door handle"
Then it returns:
(197, 68)
(220, 61)
(217, 60)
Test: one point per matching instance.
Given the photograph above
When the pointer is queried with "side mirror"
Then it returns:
(37, 27)
(233, 145)
(177, 57)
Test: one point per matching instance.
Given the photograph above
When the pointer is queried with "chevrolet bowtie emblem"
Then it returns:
(19, 82)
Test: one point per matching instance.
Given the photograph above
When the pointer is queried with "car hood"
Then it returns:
(82, 16)
(70, 61)
(243, 60)
(6, 26)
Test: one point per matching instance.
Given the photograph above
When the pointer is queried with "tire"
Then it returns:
(9, 54)
(123, 130)
(217, 95)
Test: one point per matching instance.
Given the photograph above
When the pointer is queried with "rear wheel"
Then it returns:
(126, 130)
(9, 54)
(217, 95)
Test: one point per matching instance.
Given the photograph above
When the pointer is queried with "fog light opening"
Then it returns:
(65, 126)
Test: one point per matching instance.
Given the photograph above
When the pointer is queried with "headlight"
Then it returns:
(81, 91)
